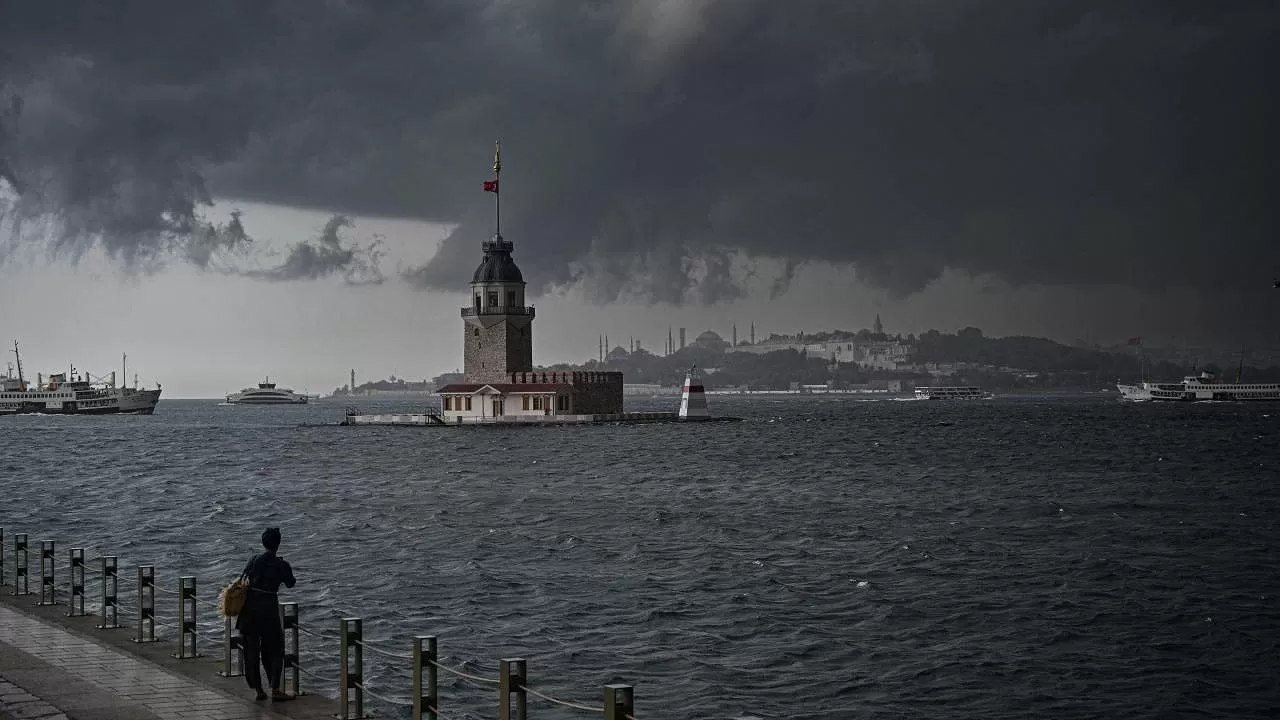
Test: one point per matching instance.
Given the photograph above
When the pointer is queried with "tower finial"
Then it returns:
(492, 186)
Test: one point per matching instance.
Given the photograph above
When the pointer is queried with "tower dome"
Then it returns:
(497, 265)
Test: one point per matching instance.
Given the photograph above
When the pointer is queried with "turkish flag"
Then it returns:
(491, 186)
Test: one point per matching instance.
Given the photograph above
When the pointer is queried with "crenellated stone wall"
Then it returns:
(596, 393)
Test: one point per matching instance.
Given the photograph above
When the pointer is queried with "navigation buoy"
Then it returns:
(693, 399)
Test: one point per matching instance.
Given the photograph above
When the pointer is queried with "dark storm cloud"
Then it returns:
(329, 255)
(654, 148)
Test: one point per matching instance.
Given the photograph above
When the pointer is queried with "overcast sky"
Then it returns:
(1070, 169)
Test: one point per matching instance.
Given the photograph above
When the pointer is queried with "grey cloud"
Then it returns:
(329, 255)
(208, 243)
(653, 149)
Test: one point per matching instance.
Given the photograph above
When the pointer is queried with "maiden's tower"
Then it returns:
(497, 347)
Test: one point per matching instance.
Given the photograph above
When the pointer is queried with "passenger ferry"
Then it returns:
(1200, 387)
(951, 393)
(71, 395)
(266, 394)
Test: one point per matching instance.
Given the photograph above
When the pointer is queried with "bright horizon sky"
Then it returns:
(203, 334)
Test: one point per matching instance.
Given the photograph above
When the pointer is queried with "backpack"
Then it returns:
(231, 601)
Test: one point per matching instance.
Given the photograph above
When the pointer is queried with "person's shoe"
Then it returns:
(280, 696)
(260, 696)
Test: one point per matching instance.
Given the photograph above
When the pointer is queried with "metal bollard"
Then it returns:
(426, 699)
(146, 604)
(187, 618)
(619, 702)
(511, 681)
(289, 621)
(47, 589)
(76, 557)
(110, 600)
(20, 586)
(230, 643)
(350, 636)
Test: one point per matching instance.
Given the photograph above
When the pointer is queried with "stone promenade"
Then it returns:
(58, 667)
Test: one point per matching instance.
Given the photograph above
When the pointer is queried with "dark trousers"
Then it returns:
(262, 642)
(267, 651)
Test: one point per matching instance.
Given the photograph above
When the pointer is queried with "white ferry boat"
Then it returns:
(951, 393)
(267, 394)
(1200, 387)
(77, 395)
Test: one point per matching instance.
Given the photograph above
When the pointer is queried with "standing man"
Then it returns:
(261, 637)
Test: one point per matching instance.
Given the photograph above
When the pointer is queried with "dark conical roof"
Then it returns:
(497, 265)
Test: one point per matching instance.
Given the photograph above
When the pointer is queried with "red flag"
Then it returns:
(1135, 341)
(491, 186)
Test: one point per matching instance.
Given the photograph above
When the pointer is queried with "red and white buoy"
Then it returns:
(693, 399)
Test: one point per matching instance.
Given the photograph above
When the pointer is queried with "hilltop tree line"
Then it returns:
(1011, 362)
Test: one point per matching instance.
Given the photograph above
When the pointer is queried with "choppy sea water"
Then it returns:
(825, 558)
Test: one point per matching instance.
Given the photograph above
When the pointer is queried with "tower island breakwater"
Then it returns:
(500, 386)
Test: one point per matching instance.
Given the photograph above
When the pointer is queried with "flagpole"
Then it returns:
(497, 195)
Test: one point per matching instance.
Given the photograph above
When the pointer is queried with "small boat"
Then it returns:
(267, 394)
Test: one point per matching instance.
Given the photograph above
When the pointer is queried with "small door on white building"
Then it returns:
(497, 407)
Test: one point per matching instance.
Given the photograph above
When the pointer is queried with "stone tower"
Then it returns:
(497, 327)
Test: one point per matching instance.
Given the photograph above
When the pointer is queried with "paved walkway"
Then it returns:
(48, 673)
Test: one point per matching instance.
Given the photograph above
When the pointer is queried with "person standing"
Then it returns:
(261, 636)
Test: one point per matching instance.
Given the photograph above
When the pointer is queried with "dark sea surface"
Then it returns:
(1065, 557)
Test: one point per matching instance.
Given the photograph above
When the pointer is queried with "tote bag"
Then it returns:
(231, 601)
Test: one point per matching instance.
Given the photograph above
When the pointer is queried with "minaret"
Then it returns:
(735, 335)
(497, 327)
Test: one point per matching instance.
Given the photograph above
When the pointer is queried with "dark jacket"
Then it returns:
(266, 573)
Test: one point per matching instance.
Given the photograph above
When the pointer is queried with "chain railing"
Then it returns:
(512, 683)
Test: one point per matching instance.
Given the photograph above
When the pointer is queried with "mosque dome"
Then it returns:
(710, 339)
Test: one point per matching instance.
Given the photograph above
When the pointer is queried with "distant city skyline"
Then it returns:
(205, 334)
